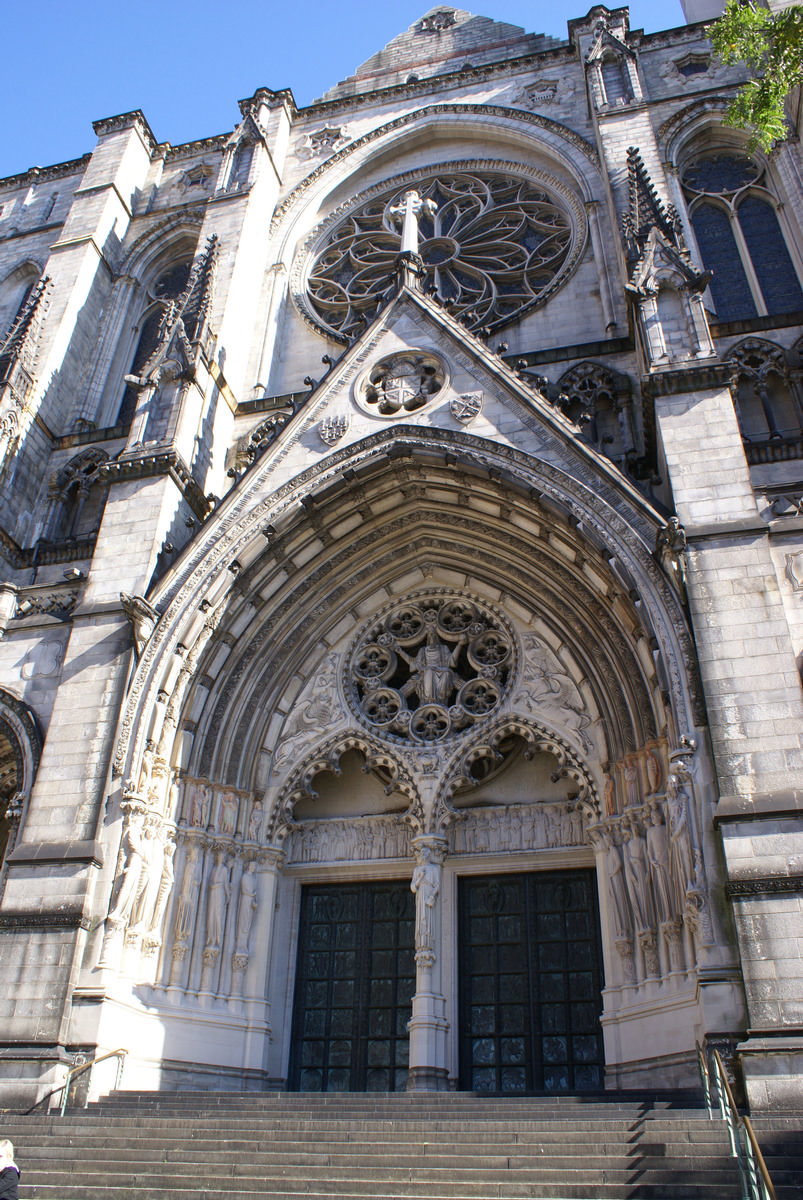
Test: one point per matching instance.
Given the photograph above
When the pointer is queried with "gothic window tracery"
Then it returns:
(430, 668)
(739, 234)
(593, 400)
(78, 494)
(169, 286)
(493, 245)
(765, 401)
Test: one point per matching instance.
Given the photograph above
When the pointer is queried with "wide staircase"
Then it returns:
(452, 1146)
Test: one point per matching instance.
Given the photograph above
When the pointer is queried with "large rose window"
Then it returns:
(495, 245)
(429, 668)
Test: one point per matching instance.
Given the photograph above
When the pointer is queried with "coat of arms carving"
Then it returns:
(333, 428)
(466, 407)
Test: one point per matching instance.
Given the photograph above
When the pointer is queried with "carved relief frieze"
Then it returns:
(547, 688)
(356, 840)
(519, 828)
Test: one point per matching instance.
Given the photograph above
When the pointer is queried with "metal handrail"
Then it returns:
(77, 1070)
(756, 1182)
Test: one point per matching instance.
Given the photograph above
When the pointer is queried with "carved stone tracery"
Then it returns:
(430, 668)
(492, 245)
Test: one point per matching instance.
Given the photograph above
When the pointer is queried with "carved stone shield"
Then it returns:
(466, 407)
(332, 429)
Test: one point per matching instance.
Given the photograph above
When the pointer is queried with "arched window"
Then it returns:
(765, 401)
(169, 286)
(740, 238)
(78, 493)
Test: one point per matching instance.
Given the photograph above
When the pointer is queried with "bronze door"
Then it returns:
(530, 983)
(355, 977)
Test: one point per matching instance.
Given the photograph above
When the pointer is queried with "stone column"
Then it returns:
(428, 1024)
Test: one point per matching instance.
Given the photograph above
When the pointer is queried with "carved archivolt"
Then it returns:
(378, 761)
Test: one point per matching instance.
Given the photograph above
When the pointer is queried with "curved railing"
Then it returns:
(74, 1072)
(756, 1182)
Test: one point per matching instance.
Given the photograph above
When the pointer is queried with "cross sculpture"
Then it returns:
(409, 209)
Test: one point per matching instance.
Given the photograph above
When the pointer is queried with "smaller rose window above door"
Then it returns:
(430, 667)
(401, 384)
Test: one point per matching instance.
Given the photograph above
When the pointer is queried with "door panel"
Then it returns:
(530, 983)
(355, 977)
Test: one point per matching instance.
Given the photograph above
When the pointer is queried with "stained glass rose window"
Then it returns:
(495, 245)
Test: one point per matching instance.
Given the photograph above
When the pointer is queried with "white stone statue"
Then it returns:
(247, 908)
(228, 812)
(658, 856)
(426, 886)
(681, 854)
(255, 822)
(409, 210)
(654, 772)
(217, 901)
(165, 887)
(620, 908)
(432, 674)
(632, 791)
(638, 879)
(188, 896)
(136, 856)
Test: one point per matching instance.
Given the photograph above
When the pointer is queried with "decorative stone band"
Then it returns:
(167, 462)
(764, 885)
(38, 920)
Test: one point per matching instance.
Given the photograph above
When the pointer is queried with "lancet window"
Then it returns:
(169, 286)
(740, 237)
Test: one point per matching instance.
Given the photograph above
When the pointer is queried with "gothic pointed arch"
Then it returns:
(20, 752)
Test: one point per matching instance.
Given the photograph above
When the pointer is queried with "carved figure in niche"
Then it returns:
(218, 901)
(654, 773)
(136, 855)
(188, 897)
(632, 791)
(317, 709)
(638, 879)
(425, 886)
(609, 796)
(165, 887)
(198, 794)
(681, 857)
(433, 677)
(255, 822)
(515, 830)
(576, 824)
(546, 685)
(247, 908)
(658, 856)
(228, 812)
(620, 909)
(698, 913)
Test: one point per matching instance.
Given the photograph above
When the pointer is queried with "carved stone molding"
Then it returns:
(764, 885)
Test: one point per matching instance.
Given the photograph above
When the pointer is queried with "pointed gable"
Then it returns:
(442, 40)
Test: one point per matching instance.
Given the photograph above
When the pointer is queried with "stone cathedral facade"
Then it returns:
(401, 518)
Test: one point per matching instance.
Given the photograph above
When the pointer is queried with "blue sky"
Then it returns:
(186, 64)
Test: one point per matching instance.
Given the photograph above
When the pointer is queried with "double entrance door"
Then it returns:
(530, 979)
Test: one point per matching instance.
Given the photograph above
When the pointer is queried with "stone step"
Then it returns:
(273, 1163)
(199, 1148)
(78, 1190)
(390, 1153)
